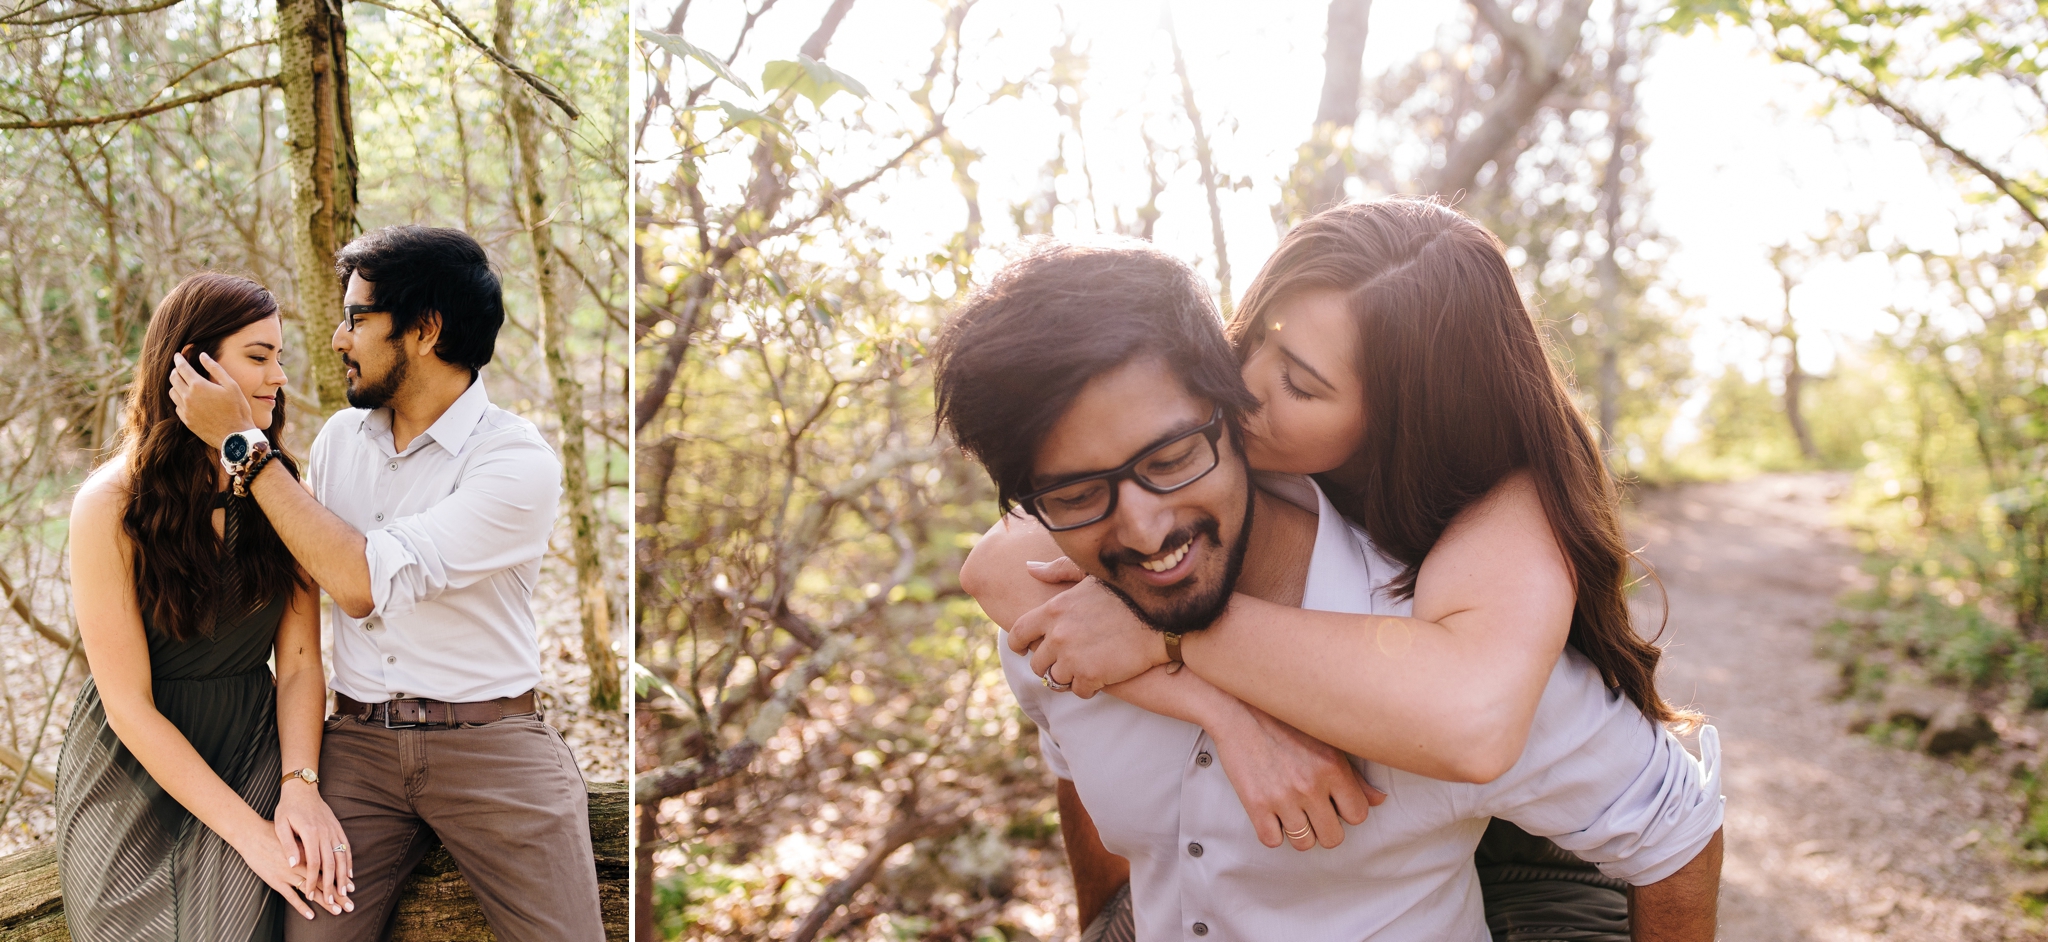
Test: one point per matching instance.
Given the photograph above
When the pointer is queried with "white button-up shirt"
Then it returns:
(1596, 776)
(455, 526)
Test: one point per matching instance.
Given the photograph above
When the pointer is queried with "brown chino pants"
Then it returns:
(505, 798)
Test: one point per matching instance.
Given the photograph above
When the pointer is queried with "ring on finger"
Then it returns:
(341, 848)
(1298, 835)
(1053, 685)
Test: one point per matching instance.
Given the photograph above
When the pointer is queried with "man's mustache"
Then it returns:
(1112, 560)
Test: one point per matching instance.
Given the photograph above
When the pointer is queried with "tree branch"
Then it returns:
(908, 825)
(538, 84)
(19, 603)
(2019, 193)
(91, 12)
(178, 102)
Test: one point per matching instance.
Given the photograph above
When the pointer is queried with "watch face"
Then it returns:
(235, 448)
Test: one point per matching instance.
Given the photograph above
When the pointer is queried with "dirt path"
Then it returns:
(1829, 836)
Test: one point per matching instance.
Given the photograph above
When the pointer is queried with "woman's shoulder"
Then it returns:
(104, 495)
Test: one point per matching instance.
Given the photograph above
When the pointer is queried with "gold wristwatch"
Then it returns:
(308, 776)
(1173, 661)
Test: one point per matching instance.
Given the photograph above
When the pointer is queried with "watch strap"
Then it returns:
(1173, 659)
(306, 775)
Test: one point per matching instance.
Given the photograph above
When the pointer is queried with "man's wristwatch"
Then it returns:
(308, 776)
(1173, 661)
(238, 449)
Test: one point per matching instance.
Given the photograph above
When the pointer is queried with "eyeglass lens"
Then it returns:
(1169, 466)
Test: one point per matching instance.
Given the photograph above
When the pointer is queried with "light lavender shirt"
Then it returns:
(1596, 777)
(455, 527)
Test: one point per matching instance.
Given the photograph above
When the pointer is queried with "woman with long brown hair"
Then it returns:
(1397, 365)
(187, 788)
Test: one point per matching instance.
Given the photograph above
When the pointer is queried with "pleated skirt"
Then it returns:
(134, 864)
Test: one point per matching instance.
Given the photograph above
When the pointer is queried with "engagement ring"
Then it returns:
(1051, 685)
(341, 848)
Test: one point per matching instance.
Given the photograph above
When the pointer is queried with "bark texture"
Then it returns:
(530, 199)
(437, 905)
(312, 46)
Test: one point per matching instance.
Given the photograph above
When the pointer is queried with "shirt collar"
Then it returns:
(1344, 560)
(454, 426)
(451, 430)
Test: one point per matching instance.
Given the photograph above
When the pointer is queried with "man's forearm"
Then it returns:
(329, 548)
(1097, 872)
(1682, 906)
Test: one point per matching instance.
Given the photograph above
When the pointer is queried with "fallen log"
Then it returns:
(436, 906)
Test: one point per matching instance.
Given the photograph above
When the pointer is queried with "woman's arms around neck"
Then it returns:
(1449, 693)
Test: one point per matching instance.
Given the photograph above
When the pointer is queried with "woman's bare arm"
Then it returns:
(1283, 778)
(306, 828)
(1449, 693)
(110, 625)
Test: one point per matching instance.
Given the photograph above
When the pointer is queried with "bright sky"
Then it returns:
(1740, 157)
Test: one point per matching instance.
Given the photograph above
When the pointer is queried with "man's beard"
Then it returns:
(1200, 607)
(378, 395)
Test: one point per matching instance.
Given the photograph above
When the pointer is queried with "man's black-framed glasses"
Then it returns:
(1161, 469)
(350, 312)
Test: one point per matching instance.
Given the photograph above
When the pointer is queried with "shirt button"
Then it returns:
(1201, 928)
(370, 625)
(380, 518)
(1194, 849)
(1204, 759)
(393, 466)
(390, 658)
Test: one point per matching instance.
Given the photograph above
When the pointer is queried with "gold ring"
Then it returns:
(1292, 836)
(341, 848)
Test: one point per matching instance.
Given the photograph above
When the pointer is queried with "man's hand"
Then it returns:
(1288, 782)
(212, 408)
(1091, 635)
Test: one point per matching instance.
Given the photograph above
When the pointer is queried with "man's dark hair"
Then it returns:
(418, 271)
(1011, 360)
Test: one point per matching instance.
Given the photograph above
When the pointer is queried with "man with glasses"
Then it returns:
(1095, 386)
(428, 514)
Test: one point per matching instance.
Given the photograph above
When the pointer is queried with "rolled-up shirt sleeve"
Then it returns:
(498, 516)
(1606, 783)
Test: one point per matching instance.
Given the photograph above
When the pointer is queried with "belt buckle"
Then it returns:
(391, 706)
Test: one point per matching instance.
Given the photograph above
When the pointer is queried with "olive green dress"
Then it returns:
(134, 864)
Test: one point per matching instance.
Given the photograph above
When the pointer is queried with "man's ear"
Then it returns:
(427, 331)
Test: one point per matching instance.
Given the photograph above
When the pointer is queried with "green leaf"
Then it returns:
(747, 120)
(677, 46)
(810, 78)
(646, 682)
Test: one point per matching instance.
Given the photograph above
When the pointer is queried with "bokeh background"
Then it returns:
(1789, 251)
(140, 145)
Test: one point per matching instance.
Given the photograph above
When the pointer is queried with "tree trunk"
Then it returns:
(436, 905)
(1206, 160)
(1323, 169)
(1539, 57)
(1795, 379)
(1620, 116)
(312, 43)
(530, 199)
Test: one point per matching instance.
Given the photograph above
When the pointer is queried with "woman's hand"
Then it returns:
(262, 851)
(309, 834)
(1091, 635)
(1289, 782)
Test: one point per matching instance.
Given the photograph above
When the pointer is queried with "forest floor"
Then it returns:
(1829, 836)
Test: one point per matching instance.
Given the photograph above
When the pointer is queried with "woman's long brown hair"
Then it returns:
(1459, 393)
(173, 476)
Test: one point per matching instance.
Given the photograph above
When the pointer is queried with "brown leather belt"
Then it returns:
(400, 714)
